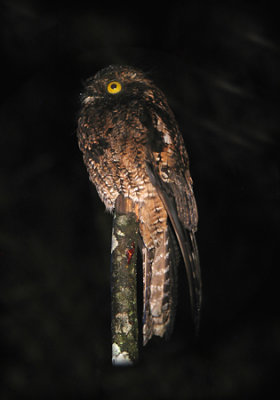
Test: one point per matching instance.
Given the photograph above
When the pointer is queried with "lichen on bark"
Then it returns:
(124, 322)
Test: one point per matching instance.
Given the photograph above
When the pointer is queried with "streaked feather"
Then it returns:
(186, 240)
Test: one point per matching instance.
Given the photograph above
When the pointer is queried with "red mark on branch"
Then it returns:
(130, 252)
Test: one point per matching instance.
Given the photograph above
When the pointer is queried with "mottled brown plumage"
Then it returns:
(131, 145)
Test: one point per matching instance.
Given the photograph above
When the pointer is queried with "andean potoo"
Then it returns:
(132, 145)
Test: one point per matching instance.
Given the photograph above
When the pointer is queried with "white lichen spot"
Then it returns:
(123, 325)
(120, 358)
(120, 233)
(114, 243)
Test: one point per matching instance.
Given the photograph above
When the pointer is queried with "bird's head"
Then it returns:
(118, 85)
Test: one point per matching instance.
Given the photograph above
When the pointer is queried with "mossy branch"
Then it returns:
(124, 321)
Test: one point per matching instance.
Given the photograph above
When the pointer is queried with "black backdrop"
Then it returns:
(219, 67)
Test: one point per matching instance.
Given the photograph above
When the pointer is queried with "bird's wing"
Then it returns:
(167, 165)
(185, 237)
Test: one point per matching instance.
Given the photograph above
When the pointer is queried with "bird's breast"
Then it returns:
(122, 167)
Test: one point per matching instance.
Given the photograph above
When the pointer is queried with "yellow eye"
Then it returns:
(114, 87)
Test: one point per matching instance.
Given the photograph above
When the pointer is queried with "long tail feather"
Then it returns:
(187, 242)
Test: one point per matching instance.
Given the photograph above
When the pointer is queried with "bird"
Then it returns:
(132, 146)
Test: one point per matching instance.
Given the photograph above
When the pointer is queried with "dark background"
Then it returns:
(218, 64)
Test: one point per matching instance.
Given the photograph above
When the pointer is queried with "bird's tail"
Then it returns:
(159, 286)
